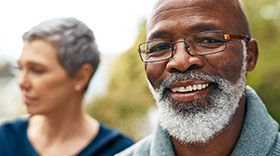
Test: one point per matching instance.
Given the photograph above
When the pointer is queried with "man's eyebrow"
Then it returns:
(202, 27)
(191, 29)
(158, 34)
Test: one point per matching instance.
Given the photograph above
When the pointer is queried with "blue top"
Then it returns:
(14, 141)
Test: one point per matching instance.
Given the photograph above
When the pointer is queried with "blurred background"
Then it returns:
(118, 95)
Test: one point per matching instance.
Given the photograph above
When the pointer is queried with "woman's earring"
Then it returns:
(78, 87)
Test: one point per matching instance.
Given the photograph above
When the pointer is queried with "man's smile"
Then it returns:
(190, 90)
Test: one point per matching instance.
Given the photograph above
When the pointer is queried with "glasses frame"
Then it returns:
(227, 37)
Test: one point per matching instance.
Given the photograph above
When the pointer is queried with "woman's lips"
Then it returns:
(188, 91)
(29, 99)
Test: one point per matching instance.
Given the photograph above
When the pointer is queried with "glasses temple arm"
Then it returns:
(232, 36)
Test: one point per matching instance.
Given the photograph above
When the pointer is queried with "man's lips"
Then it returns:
(190, 90)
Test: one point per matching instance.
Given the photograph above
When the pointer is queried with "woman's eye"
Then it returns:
(37, 70)
(18, 68)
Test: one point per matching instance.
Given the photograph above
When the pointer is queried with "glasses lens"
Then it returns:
(155, 50)
(206, 43)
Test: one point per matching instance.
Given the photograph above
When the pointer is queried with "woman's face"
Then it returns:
(45, 84)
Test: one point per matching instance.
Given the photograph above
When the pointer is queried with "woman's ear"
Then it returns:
(83, 76)
(252, 54)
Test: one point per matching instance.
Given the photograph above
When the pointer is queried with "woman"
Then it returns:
(58, 59)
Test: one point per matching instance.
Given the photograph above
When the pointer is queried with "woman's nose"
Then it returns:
(22, 80)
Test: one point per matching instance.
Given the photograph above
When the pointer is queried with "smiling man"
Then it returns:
(197, 56)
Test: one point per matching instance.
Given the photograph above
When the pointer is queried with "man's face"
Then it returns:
(174, 24)
(217, 81)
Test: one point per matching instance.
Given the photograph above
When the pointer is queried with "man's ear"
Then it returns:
(83, 76)
(252, 54)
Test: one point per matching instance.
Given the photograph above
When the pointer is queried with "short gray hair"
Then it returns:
(74, 40)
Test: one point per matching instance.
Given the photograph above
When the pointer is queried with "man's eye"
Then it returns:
(160, 47)
(208, 41)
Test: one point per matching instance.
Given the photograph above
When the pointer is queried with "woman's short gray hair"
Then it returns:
(74, 40)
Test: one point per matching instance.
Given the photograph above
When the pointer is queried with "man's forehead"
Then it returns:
(162, 5)
(225, 9)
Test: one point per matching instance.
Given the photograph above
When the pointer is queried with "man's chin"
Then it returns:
(200, 120)
(193, 127)
(190, 108)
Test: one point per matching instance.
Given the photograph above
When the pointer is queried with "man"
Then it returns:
(196, 60)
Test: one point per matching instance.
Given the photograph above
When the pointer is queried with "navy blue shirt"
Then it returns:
(14, 141)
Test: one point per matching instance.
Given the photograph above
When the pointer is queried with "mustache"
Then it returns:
(175, 77)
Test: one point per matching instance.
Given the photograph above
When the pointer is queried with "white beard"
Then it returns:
(191, 123)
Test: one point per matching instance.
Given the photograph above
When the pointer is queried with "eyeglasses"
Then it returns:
(198, 44)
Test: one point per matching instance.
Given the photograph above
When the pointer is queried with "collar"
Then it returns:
(259, 130)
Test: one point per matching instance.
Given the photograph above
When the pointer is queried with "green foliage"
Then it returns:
(128, 97)
(265, 28)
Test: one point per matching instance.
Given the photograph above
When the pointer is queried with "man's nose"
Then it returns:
(182, 61)
(22, 80)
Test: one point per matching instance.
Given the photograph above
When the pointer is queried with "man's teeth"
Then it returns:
(190, 88)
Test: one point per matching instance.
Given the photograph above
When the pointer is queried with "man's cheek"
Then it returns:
(155, 74)
(232, 69)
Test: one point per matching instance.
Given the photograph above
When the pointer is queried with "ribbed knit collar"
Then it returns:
(259, 130)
